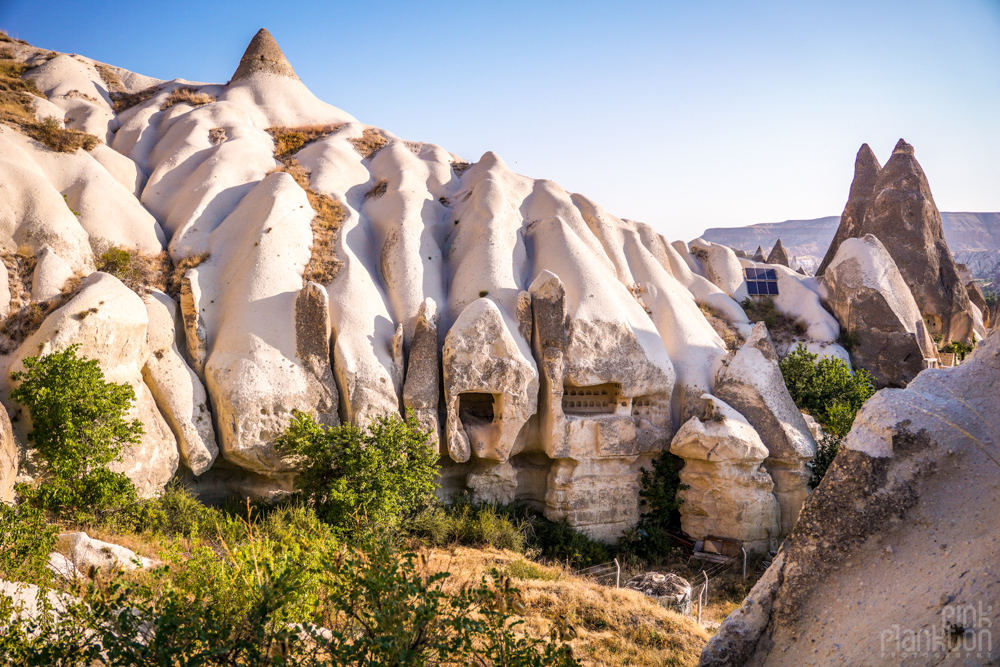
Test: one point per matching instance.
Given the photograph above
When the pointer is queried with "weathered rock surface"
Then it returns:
(778, 254)
(752, 384)
(728, 494)
(666, 588)
(920, 471)
(8, 458)
(91, 556)
(865, 290)
(895, 205)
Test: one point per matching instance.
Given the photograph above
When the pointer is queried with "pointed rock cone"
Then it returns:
(802, 271)
(263, 56)
(866, 172)
(778, 254)
(759, 255)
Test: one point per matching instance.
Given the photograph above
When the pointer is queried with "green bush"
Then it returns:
(825, 388)
(258, 606)
(79, 427)
(26, 541)
(826, 451)
(462, 522)
(959, 349)
(353, 477)
(649, 540)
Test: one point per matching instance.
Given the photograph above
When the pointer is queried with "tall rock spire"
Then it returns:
(263, 55)
(778, 254)
(866, 171)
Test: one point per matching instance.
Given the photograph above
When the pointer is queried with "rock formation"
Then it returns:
(758, 255)
(912, 493)
(729, 493)
(322, 265)
(778, 254)
(867, 293)
(753, 385)
(894, 204)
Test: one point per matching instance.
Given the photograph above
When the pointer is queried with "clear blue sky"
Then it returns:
(681, 114)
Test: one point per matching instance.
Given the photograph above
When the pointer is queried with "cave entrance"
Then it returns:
(476, 408)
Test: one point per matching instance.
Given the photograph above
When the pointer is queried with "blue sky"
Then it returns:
(681, 114)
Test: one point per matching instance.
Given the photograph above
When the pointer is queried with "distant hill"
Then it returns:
(974, 239)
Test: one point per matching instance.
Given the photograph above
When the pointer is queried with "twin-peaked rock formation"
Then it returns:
(894, 204)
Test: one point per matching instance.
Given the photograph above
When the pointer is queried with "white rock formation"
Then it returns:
(551, 348)
(729, 493)
(753, 385)
(90, 556)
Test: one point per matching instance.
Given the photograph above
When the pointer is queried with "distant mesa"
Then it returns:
(263, 56)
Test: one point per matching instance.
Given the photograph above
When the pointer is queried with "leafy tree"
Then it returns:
(25, 543)
(826, 389)
(376, 476)
(79, 428)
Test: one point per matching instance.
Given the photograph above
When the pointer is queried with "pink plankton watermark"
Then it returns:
(964, 631)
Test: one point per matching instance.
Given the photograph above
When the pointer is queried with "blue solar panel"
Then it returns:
(772, 287)
(751, 274)
(752, 287)
(769, 274)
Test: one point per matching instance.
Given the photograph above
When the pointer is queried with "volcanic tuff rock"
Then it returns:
(894, 204)
(920, 472)
(753, 385)
(866, 291)
(729, 493)
(778, 254)
(552, 348)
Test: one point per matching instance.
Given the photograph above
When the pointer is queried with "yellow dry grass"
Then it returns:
(110, 78)
(26, 316)
(372, 140)
(730, 336)
(289, 140)
(323, 263)
(124, 100)
(611, 627)
(188, 96)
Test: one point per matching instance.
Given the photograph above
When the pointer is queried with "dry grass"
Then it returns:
(784, 330)
(323, 263)
(26, 316)
(138, 271)
(82, 96)
(607, 626)
(289, 140)
(217, 135)
(123, 100)
(459, 166)
(372, 141)
(110, 78)
(377, 190)
(186, 96)
(727, 332)
(176, 276)
(63, 140)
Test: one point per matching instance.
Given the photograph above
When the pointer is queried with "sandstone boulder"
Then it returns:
(8, 458)
(752, 384)
(920, 474)
(869, 296)
(668, 589)
(729, 493)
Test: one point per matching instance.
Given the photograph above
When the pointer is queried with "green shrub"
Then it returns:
(558, 541)
(959, 349)
(825, 388)
(79, 428)
(463, 522)
(826, 451)
(26, 541)
(261, 606)
(351, 477)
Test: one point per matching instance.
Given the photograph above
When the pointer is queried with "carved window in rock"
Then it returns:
(655, 409)
(477, 408)
(594, 400)
(762, 282)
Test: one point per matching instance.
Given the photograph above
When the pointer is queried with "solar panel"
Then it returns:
(761, 282)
